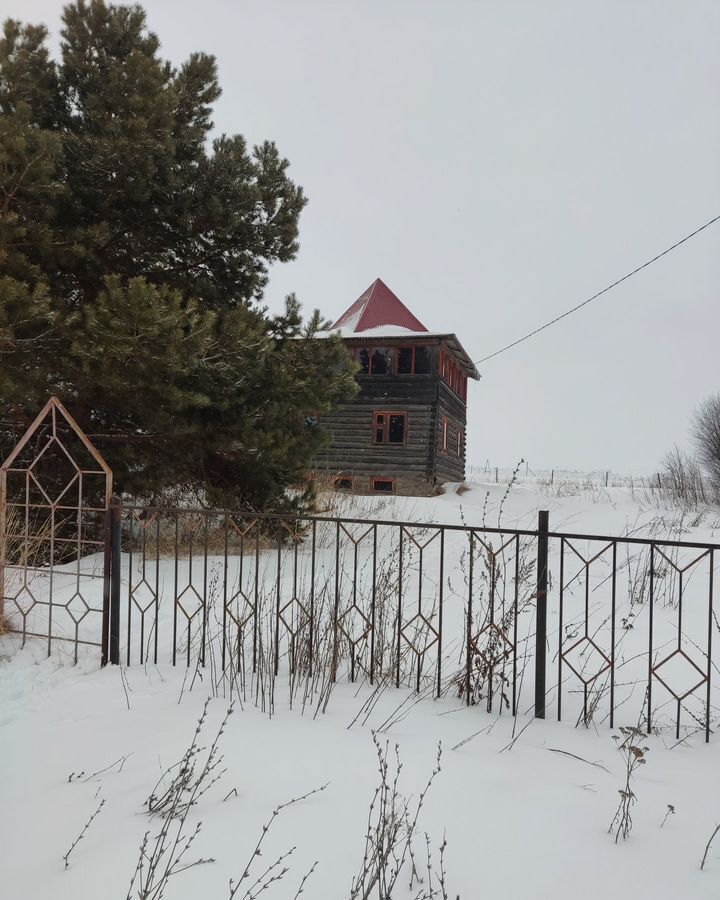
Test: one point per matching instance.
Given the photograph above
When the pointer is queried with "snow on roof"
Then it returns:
(379, 331)
(377, 307)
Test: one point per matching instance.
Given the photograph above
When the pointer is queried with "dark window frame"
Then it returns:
(385, 442)
(390, 479)
(413, 368)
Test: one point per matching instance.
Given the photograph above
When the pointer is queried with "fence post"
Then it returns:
(541, 614)
(3, 536)
(607, 476)
(107, 568)
(114, 635)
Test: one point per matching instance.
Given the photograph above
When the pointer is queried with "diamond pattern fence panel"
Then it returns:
(440, 610)
(55, 490)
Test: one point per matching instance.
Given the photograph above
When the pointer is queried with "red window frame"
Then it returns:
(453, 375)
(349, 478)
(385, 425)
(392, 367)
(377, 478)
(444, 443)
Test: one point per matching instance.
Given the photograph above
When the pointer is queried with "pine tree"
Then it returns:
(134, 253)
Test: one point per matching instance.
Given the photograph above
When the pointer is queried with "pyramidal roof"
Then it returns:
(375, 308)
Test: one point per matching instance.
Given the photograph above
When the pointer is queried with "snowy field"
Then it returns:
(525, 805)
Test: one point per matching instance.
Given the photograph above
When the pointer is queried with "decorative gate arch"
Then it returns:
(55, 492)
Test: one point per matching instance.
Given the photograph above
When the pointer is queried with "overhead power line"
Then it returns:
(599, 293)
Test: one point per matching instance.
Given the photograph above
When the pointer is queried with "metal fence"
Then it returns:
(576, 626)
(523, 473)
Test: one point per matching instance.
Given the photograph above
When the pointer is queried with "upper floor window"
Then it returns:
(395, 360)
(453, 375)
(389, 428)
(375, 361)
(414, 361)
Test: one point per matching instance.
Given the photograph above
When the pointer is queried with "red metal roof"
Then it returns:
(378, 306)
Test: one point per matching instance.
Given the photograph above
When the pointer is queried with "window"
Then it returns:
(453, 375)
(405, 360)
(423, 360)
(343, 483)
(374, 360)
(382, 485)
(414, 361)
(380, 362)
(389, 428)
(396, 430)
(460, 437)
(379, 429)
(445, 434)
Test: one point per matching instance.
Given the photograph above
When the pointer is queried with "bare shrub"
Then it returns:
(166, 854)
(276, 870)
(705, 431)
(392, 827)
(682, 479)
(190, 779)
(504, 589)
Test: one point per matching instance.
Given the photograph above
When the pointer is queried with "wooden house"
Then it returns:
(404, 432)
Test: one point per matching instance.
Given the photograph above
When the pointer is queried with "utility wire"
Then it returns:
(600, 293)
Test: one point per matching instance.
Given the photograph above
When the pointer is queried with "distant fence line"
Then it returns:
(526, 474)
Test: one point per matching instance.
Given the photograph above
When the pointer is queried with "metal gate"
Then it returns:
(55, 491)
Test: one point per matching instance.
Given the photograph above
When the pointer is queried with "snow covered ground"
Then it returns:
(525, 805)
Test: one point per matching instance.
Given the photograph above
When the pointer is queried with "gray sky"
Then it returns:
(496, 163)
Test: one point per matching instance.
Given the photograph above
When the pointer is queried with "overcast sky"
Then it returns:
(496, 162)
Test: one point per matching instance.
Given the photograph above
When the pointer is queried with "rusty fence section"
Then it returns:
(55, 491)
(584, 628)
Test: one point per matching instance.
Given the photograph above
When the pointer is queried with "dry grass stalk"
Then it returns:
(707, 847)
(82, 834)
(635, 757)
(22, 548)
(276, 870)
